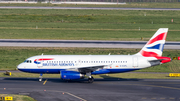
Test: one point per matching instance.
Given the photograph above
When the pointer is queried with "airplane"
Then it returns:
(71, 67)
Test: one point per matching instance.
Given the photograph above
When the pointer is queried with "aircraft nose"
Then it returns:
(19, 66)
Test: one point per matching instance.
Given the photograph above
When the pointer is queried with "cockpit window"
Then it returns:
(27, 61)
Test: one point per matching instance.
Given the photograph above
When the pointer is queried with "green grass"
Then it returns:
(86, 24)
(12, 56)
(133, 5)
(18, 97)
(117, 75)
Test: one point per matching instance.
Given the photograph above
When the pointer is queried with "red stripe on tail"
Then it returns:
(161, 36)
(148, 54)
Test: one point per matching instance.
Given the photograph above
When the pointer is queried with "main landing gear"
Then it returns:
(90, 78)
(40, 77)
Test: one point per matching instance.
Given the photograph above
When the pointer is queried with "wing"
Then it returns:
(87, 69)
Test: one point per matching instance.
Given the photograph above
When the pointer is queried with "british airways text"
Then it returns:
(56, 64)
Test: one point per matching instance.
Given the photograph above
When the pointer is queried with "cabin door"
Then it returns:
(39, 63)
(135, 61)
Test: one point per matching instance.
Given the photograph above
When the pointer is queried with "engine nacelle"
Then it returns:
(71, 75)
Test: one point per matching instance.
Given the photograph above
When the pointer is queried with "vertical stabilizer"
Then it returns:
(154, 47)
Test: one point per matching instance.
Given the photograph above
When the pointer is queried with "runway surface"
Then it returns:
(81, 43)
(114, 89)
(98, 8)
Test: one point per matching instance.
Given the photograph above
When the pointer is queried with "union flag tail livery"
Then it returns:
(71, 67)
(154, 47)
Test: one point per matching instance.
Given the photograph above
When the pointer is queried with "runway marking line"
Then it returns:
(69, 94)
(160, 98)
(45, 82)
(155, 86)
(76, 96)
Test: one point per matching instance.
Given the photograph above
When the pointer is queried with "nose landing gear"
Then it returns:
(40, 77)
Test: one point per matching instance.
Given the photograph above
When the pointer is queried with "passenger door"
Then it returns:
(135, 61)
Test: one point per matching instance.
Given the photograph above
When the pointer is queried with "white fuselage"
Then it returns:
(109, 63)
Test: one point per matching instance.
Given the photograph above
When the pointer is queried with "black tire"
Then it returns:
(91, 80)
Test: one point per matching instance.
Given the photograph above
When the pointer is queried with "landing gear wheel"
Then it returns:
(40, 79)
(90, 80)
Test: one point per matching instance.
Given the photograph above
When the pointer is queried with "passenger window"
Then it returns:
(30, 61)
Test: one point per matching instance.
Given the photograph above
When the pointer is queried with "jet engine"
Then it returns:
(71, 75)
